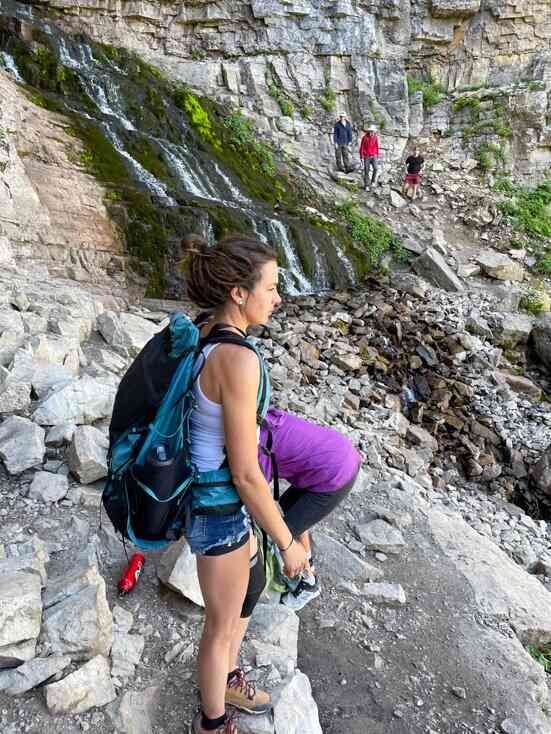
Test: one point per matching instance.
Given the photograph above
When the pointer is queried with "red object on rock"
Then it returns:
(131, 574)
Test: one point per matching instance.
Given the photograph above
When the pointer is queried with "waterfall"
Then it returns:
(119, 107)
(294, 277)
(141, 173)
(8, 63)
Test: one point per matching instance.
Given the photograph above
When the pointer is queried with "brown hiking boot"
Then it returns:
(228, 727)
(244, 695)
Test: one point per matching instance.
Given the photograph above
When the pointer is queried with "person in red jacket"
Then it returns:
(369, 155)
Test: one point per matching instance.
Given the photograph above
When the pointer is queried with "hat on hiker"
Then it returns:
(371, 129)
(342, 114)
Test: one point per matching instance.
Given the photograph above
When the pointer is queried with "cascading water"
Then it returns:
(294, 277)
(8, 63)
(162, 154)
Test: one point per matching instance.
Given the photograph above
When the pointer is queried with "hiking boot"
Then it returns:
(244, 695)
(304, 593)
(228, 727)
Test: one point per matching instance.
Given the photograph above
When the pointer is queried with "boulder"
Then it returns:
(48, 487)
(81, 401)
(378, 535)
(17, 681)
(432, 266)
(499, 266)
(126, 331)
(14, 396)
(515, 329)
(60, 435)
(541, 472)
(20, 615)
(87, 455)
(133, 711)
(541, 338)
(276, 625)
(50, 348)
(340, 564)
(89, 686)
(295, 711)
(30, 555)
(126, 653)
(80, 625)
(47, 377)
(21, 444)
(397, 200)
(178, 570)
(390, 595)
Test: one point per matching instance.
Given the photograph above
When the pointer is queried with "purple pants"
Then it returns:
(310, 457)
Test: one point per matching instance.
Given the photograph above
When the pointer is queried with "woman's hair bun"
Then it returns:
(194, 244)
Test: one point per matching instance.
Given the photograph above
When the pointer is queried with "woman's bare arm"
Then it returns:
(239, 374)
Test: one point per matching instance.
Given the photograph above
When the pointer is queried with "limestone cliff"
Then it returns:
(285, 61)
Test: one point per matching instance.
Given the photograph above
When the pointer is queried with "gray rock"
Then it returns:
(48, 487)
(178, 570)
(394, 517)
(267, 655)
(378, 535)
(79, 625)
(126, 331)
(338, 563)
(133, 711)
(14, 396)
(454, 8)
(515, 329)
(500, 587)
(541, 338)
(348, 362)
(391, 595)
(432, 266)
(126, 653)
(89, 686)
(20, 652)
(499, 266)
(87, 455)
(52, 349)
(295, 711)
(47, 377)
(30, 555)
(20, 611)
(81, 401)
(276, 625)
(397, 200)
(122, 619)
(21, 444)
(82, 576)
(31, 674)
(60, 435)
(541, 472)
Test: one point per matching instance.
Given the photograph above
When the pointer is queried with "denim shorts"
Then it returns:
(207, 532)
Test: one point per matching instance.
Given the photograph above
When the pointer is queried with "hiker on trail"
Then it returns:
(236, 281)
(412, 181)
(369, 155)
(342, 138)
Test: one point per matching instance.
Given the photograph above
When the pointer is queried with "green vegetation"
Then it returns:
(374, 238)
(197, 114)
(536, 300)
(244, 138)
(489, 155)
(471, 103)
(328, 99)
(541, 656)
(305, 111)
(432, 90)
(529, 210)
(536, 86)
(276, 91)
(504, 185)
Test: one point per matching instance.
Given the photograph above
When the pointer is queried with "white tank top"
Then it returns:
(206, 424)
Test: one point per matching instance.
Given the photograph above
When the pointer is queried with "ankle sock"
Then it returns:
(212, 724)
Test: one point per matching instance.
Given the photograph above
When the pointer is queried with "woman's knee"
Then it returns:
(220, 631)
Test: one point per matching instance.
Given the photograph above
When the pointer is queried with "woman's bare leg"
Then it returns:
(223, 581)
(242, 623)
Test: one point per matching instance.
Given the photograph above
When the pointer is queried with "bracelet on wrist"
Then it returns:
(282, 550)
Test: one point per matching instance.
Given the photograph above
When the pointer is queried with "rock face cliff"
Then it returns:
(293, 64)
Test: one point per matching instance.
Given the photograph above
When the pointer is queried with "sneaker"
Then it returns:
(303, 594)
(228, 727)
(244, 695)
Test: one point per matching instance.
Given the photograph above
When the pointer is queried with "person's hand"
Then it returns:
(295, 559)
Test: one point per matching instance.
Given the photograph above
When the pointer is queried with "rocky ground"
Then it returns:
(434, 582)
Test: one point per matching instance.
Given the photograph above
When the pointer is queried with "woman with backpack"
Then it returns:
(236, 281)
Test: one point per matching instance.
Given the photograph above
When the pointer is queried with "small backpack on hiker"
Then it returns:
(152, 482)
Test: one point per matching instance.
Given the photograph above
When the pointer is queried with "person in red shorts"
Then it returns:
(412, 181)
